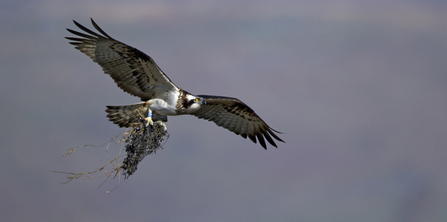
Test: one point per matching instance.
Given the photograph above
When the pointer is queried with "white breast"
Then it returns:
(166, 105)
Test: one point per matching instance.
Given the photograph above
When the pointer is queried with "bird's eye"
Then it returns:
(196, 100)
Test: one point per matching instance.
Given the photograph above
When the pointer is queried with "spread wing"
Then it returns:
(234, 115)
(133, 71)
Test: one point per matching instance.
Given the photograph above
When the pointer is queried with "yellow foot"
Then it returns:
(163, 126)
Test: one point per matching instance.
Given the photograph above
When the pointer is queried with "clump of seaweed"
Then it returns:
(143, 139)
(139, 140)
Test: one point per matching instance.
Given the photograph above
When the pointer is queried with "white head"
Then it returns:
(193, 103)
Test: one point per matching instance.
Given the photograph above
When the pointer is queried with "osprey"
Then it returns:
(137, 74)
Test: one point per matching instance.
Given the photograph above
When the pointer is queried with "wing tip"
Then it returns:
(267, 135)
(99, 29)
(105, 35)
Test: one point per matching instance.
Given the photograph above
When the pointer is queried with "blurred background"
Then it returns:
(358, 88)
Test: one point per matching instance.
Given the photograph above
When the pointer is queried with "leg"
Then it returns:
(149, 117)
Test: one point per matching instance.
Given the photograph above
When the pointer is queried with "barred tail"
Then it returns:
(123, 116)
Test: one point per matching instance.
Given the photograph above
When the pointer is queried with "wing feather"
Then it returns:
(244, 130)
(133, 71)
(236, 116)
(261, 139)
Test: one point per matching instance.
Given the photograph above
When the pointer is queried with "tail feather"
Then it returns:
(124, 116)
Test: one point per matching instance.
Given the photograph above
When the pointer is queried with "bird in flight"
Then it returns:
(137, 74)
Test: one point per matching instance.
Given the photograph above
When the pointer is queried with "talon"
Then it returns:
(149, 121)
(163, 126)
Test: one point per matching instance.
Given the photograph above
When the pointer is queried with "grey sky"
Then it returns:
(358, 88)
